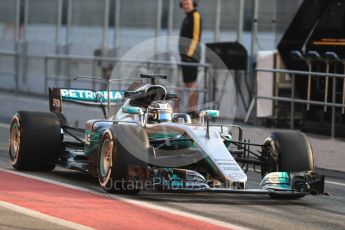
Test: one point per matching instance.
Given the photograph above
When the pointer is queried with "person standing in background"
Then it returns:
(189, 49)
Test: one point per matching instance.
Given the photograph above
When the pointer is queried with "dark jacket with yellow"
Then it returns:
(190, 35)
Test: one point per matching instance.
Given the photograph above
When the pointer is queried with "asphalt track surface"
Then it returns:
(248, 211)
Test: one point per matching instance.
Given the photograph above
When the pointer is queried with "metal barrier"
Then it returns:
(16, 68)
(59, 70)
(293, 100)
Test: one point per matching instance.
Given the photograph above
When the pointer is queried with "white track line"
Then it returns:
(135, 202)
(38, 215)
(335, 183)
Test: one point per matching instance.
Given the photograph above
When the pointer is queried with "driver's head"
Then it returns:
(159, 111)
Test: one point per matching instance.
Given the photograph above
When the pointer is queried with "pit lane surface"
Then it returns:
(251, 211)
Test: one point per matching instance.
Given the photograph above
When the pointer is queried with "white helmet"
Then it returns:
(159, 111)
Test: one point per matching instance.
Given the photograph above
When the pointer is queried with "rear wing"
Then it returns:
(84, 97)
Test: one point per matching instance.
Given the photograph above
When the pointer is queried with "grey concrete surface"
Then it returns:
(252, 211)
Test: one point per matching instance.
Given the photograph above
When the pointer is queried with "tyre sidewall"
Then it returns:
(115, 180)
(40, 140)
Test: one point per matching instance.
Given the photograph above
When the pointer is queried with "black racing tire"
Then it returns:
(35, 139)
(112, 164)
(293, 152)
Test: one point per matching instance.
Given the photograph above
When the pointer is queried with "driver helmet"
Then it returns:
(159, 111)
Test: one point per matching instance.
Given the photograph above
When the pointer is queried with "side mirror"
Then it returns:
(209, 114)
(132, 110)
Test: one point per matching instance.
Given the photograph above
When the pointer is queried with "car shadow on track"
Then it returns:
(84, 180)
(216, 198)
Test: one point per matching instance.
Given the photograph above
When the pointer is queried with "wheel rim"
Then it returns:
(105, 161)
(14, 142)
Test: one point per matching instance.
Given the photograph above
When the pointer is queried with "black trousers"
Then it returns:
(189, 73)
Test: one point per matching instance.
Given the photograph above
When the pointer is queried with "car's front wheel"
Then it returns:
(289, 151)
(113, 166)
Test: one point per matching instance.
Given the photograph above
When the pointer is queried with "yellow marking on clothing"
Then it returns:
(196, 34)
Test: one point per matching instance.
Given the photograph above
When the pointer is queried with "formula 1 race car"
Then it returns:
(147, 146)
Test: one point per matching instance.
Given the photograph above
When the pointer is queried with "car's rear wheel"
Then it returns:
(289, 151)
(35, 139)
(113, 166)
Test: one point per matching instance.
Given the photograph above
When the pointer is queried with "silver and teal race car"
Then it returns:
(146, 146)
